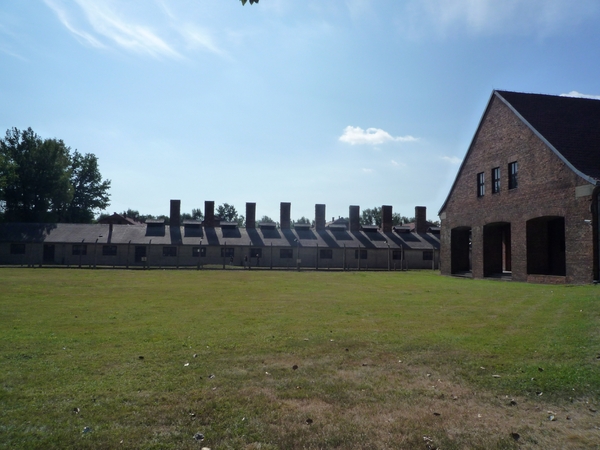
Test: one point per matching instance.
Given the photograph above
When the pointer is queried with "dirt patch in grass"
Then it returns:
(382, 406)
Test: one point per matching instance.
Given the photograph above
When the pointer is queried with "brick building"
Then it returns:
(524, 204)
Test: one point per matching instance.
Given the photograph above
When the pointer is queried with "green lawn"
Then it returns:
(147, 359)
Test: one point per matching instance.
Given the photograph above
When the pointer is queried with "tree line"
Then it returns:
(42, 180)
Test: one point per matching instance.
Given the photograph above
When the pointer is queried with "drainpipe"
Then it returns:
(95, 252)
(388, 255)
(80, 252)
(199, 254)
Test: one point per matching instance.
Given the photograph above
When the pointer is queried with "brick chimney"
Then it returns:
(320, 216)
(386, 218)
(354, 218)
(250, 215)
(175, 214)
(420, 219)
(209, 214)
(285, 209)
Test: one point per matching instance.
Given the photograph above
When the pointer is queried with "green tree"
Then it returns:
(195, 215)
(90, 193)
(251, 1)
(304, 220)
(42, 182)
(36, 174)
(227, 212)
(371, 216)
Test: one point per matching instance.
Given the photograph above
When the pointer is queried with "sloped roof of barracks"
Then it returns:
(219, 236)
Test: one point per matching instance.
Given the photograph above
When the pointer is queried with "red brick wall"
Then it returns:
(546, 188)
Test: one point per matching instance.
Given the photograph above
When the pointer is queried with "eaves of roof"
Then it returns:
(124, 234)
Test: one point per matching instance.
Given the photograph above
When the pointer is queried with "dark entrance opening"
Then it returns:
(546, 246)
(140, 253)
(596, 232)
(596, 222)
(48, 253)
(460, 250)
(496, 250)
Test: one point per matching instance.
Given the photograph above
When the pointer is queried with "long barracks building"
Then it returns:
(213, 243)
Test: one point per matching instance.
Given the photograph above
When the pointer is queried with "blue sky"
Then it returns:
(342, 102)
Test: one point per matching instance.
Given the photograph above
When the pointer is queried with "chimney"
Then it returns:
(284, 214)
(320, 217)
(175, 215)
(250, 215)
(420, 219)
(209, 214)
(354, 218)
(386, 218)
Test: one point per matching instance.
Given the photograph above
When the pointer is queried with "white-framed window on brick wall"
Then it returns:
(495, 180)
(480, 184)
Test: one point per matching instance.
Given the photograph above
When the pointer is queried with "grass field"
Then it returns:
(295, 360)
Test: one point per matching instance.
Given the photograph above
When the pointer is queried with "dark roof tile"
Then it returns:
(570, 124)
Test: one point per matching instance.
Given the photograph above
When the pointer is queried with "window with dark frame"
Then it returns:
(17, 249)
(109, 250)
(495, 180)
(427, 255)
(480, 184)
(397, 254)
(169, 251)
(286, 253)
(79, 249)
(363, 254)
(326, 253)
(513, 172)
(227, 252)
(198, 252)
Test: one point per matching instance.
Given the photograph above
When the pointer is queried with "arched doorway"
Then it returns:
(546, 246)
(460, 250)
(497, 253)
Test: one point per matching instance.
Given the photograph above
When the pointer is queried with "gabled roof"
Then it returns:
(569, 126)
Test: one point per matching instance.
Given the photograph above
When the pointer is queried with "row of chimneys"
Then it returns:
(285, 214)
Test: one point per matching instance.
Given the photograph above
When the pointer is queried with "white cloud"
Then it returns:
(65, 18)
(489, 17)
(100, 23)
(452, 159)
(580, 95)
(370, 136)
(198, 37)
(397, 164)
(365, 170)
